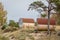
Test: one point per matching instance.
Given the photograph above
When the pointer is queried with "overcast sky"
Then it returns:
(18, 9)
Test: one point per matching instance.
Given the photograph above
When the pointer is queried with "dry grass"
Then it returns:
(24, 34)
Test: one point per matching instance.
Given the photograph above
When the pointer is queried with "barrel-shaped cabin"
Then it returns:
(43, 24)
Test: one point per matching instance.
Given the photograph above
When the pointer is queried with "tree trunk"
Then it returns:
(48, 22)
(49, 9)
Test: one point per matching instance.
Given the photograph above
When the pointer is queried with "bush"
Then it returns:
(16, 25)
(13, 23)
(10, 29)
(4, 26)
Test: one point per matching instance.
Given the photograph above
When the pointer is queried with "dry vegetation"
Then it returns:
(26, 35)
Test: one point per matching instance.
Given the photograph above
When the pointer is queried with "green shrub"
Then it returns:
(13, 23)
(10, 29)
(16, 25)
(4, 26)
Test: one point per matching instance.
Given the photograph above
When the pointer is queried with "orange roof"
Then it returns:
(28, 20)
(45, 21)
